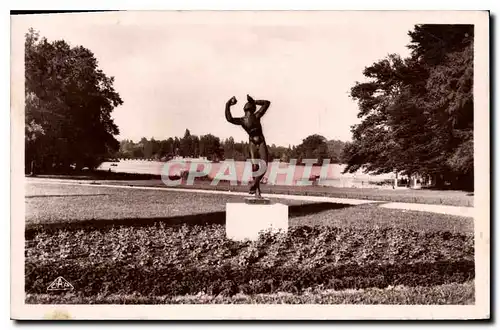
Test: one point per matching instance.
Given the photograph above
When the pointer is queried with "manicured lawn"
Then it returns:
(425, 196)
(73, 206)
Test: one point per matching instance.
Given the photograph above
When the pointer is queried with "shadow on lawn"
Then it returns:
(200, 219)
(67, 195)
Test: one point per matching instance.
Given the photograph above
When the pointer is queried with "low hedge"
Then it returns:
(449, 294)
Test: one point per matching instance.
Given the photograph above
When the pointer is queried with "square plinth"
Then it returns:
(246, 221)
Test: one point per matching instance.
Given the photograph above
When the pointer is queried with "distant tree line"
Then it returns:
(213, 148)
(191, 146)
(417, 112)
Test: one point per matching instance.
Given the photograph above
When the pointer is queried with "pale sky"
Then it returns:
(176, 70)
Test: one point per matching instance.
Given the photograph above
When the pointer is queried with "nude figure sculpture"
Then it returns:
(251, 124)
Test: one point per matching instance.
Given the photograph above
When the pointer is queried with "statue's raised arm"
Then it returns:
(236, 121)
(264, 105)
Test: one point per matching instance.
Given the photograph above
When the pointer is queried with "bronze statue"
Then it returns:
(251, 124)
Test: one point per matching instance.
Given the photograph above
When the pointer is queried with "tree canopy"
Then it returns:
(68, 106)
(417, 112)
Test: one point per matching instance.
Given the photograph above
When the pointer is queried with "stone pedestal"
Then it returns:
(247, 220)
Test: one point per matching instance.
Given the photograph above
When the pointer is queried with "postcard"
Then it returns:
(250, 165)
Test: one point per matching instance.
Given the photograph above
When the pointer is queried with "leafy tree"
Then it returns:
(68, 107)
(241, 151)
(164, 149)
(170, 146)
(229, 151)
(417, 113)
(186, 145)
(195, 140)
(210, 146)
(155, 148)
(313, 147)
(177, 146)
(335, 149)
(126, 149)
(147, 148)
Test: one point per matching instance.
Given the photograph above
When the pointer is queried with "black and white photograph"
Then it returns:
(336, 162)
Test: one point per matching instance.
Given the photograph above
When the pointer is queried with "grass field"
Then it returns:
(138, 246)
(425, 196)
(50, 206)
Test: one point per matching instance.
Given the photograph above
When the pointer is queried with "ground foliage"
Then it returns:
(173, 261)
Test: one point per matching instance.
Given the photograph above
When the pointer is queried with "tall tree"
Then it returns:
(177, 146)
(186, 144)
(229, 151)
(335, 149)
(313, 147)
(69, 101)
(417, 113)
(210, 146)
(195, 145)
